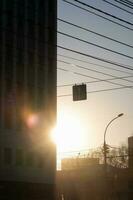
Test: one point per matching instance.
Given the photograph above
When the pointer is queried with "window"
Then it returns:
(9, 103)
(20, 27)
(41, 76)
(41, 33)
(31, 97)
(9, 5)
(20, 42)
(31, 30)
(31, 45)
(9, 38)
(7, 156)
(41, 12)
(30, 159)
(9, 64)
(20, 67)
(1, 6)
(19, 157)
(40, 161)
(20, 10)
(0, 156)
(9, 21)
(31, 69)
(1, 106)
(41, 59)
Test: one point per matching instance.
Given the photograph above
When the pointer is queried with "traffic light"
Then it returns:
(79, 92)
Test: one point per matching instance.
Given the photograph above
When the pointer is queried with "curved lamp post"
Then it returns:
(104, 146)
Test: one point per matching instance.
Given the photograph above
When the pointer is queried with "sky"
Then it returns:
(90, 117)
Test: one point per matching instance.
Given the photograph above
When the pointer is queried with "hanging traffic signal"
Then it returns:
(79, 92)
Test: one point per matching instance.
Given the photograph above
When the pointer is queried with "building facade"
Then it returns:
(27, 97)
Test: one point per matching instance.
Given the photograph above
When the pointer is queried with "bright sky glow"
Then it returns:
(70, 133)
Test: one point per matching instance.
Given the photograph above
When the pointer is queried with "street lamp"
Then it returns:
(104, 146)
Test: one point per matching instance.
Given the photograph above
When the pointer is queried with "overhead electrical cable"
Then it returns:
(118, 7)
(87, 62)
(129, 3)
(98, 15)
(92, 70)
(97, 91)
(103, 12)
(89, 82)
(97, 81)
(88, 30)
(96, 45)
(94, 57)
(120, 2)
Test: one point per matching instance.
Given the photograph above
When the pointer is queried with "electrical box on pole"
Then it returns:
(79, 92)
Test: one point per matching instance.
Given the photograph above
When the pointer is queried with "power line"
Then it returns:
(97, 91)
(88, 76)
(96, 45)
(123, 3)
(129, 3)
(86, 68)
(118, 6)
(94, 57)
(83, 61)
(88, 30)
(99, 15)
(102, 80)
(103, 12)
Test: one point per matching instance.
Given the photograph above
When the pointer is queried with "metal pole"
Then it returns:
(105, 153)
(104, 145)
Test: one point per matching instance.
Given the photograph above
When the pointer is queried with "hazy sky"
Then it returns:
(94, 113)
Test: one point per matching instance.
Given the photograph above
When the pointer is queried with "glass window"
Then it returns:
(1, 6)
(31, 14)
(41, 50)
(40, 99)
(9, 5)
(9, 38)
(9, 102)
(41, 75)
(20, 27)
(40, 162)
(41, 12)
(20, 10)
(31, 69)
(20, 42)
(19, 157)
(31, 30)
(1, 111)
(41, 34)
(9, 21)
(7, 156)
(31, 45)
(31, 97)
(30, 159)
(9, 64)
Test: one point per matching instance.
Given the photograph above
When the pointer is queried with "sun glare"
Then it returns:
(68, 135)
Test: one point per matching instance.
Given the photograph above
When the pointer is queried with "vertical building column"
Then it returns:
(15, 67)
(3, 71)
(25, 54)
(36, 59)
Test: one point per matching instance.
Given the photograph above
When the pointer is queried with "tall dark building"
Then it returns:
(27, 98)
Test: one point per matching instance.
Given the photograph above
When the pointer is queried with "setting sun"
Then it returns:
(69, 133)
